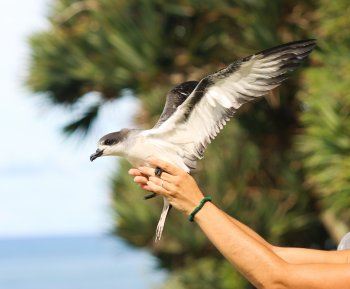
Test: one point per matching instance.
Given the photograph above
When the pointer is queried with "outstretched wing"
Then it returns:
(217, 97)
(175, 98)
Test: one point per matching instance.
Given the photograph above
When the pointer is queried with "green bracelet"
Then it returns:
(200, 206)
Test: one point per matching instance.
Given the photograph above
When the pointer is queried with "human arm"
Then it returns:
(222, 236)
(248, 252)
(290, 255)
(299, 255)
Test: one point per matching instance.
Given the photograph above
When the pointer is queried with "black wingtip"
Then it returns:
(307, 44)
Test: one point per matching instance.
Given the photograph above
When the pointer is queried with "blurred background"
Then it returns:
(72, 71)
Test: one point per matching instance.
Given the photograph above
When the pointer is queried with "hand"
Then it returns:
(176, 185)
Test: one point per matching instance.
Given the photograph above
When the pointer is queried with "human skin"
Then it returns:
(264, 265)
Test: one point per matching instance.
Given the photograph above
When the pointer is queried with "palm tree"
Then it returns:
(325, 141)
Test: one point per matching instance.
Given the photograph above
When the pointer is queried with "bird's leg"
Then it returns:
(157, 171)
(149, 196)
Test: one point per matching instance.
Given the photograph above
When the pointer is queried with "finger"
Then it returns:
(145, 187)
(159, 182)
(134, 172)
(140, 180)
(168, 187)
(148, 171)
(137, 173)
(169, 168)
(157, 188)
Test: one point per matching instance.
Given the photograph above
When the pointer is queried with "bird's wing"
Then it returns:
(175, 98)
(217, 97)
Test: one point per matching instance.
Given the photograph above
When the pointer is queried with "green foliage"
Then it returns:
(325, 144)
(84, 123)
(107, 46)
(275, 167)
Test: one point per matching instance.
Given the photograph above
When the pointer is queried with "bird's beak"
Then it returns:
(97, 154)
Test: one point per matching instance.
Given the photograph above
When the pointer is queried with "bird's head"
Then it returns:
(112, 144)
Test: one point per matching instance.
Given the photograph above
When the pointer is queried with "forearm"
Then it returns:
(251, 233)
(298, 255)
(260, 265)
(312, 256)
(253, 259)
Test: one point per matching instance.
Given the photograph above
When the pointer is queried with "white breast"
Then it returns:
(145, 147)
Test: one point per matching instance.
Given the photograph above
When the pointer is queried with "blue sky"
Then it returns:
(47, 184)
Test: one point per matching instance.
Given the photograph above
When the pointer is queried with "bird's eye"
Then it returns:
(109, 142)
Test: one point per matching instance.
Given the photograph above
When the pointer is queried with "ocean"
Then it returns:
(78, 262)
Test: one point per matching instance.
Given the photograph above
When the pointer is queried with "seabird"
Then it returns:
(196, 111)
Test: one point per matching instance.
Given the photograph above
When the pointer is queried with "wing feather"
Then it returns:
(175, 98)
(216, 98)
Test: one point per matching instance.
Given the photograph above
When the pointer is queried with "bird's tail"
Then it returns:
(160, 226)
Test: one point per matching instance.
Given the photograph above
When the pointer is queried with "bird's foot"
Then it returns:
(149, 196)
(158, 171)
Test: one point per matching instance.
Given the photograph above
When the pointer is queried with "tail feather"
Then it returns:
(161, 222)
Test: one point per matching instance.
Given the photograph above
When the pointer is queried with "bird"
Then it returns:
(196, 111)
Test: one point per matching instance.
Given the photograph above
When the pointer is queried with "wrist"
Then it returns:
(204, 215)
(198, 208)
(192, 204)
